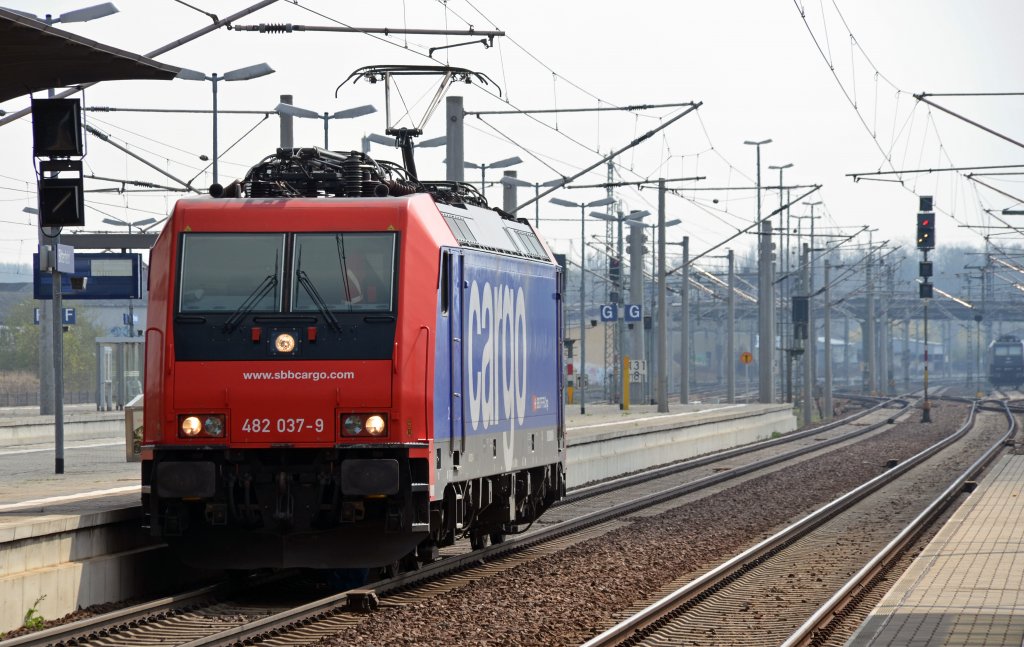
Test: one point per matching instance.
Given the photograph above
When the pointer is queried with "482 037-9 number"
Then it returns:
(281, 425)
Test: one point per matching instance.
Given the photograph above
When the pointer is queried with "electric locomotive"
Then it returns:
(1006, 362)
(348, 367)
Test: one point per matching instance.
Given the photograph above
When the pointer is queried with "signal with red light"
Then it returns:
(926, 230)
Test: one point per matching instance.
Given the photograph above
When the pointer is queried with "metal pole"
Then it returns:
(214, 79)
(730, 334)
(58, 360)
(508, 193)
(808, 360)
(684, 348)
(636, 296)
(887, 359)
(926, 413)
(869, 329)
(455, 142)
(906, 355)
(536, 218)
(977, 350)
(621, 371)
(827, 392)
(287, 125)
(846, 350)
(812, 334)
(663, 311)
(46, 383)
(766, 336)
(326, 145)
(583, 311)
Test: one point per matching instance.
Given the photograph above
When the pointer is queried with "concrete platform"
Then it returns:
(608, 442)
(23, 425)
(76, 537)
(967, 586)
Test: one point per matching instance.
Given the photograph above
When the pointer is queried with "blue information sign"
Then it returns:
(109, 276)
(67, 316)
(634, 312)
(609, 311)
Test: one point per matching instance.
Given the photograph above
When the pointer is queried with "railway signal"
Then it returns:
(925, 242)
(926, 230)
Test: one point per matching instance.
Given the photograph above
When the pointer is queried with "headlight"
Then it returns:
(213, 426)
(353, 425)
(375, 425)
(363, 424)
(191, 426)
(210, 425)
(284, 343)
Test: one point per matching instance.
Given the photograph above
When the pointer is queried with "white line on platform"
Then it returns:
(68, 447)
(658, 417)
(56, 500)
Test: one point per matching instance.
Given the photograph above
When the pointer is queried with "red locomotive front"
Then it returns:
(338, 369)
(287, 373)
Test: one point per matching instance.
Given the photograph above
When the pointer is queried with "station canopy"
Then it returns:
(35, 56)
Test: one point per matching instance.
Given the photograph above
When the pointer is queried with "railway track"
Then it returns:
(755, 597)
(212, 617)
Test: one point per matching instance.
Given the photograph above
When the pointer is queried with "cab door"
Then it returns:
(455, 359)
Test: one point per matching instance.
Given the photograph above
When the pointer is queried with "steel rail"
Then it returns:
(367, 598)
(823, 621)
(91, 628)
(647, 620)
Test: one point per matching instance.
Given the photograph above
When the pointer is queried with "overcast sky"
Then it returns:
(832, 88)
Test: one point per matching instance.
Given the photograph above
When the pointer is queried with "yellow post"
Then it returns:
(625, 383)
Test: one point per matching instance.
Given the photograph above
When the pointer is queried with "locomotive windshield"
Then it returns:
(348, 271)
(221, 272)
(242, 273)
(1007, 350)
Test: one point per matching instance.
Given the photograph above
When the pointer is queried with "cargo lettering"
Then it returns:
(497, 378)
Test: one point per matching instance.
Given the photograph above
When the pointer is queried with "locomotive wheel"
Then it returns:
(390, 570)
(427, 552)
(409, 563)
(477, 540)
(497, 537)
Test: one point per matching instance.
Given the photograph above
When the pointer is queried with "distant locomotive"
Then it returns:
(1006, 362)
(348, 367)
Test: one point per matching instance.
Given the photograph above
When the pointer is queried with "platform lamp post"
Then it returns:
(659, 395)
(632, 216)
(241, 74)
(582, 206)
(812, 339)
(505, 163)
(783, 257)
(349, 113)
(514, 181)
(84, 14)
(765, 311)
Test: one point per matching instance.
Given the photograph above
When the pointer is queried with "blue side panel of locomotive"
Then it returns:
(510, 344)
(497, 368)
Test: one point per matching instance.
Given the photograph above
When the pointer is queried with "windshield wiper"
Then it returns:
(268, 283)
(321, 305)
